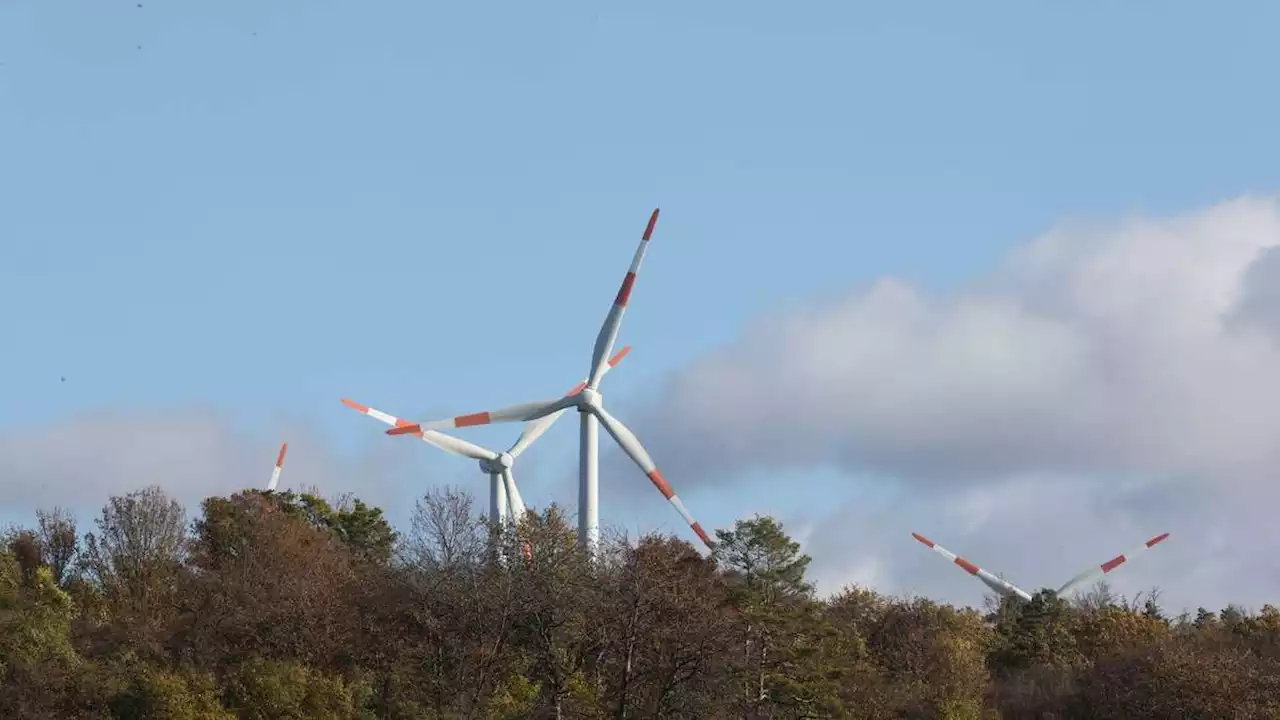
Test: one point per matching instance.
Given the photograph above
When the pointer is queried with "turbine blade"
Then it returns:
(448, 443)
(1001, 586)
(613, 321)
(275, 473)
(613, 361)
(375, 413)
(457, 446)
(627, 440)
(523, 412)
(514, 502)
(533, 431)
(536, 428)
(1109, 565)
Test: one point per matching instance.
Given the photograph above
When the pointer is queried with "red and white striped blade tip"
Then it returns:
(664, 487)
(611, 323)
(653, 222)
(375, 413)
(414, 429)
(1119, 560)
(922, 539)
(284, 447)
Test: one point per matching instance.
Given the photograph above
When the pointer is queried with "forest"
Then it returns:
(287, 605)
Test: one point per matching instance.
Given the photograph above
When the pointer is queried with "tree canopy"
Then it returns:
(284, 605)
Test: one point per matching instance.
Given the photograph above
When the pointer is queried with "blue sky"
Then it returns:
(261, 208)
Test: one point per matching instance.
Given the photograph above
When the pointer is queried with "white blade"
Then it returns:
(1002, 587)
(1109, 565)
(514, 502)
(275, 472)
(533, 431)
(448, 443)
(523, 412)
(457, 446)
(631, 445)
(613, 321)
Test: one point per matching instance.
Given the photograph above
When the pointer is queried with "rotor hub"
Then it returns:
(590, 398)
(504, 461)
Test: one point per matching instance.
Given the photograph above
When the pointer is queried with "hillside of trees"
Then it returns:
(268, 605)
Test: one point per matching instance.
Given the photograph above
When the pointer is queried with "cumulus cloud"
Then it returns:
(192, 454)
(1105, 383)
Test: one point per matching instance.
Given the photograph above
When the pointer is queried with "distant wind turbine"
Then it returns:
(590, 405)
(1005, 587)
(497, 465)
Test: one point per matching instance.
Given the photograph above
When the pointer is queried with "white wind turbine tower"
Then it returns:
(1004, 587)
(590, 405)
(275, 473)
(497, 465)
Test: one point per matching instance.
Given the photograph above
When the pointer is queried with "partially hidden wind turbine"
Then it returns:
(590, 405)
(497, 465)
(275, 473)
(1004, 587)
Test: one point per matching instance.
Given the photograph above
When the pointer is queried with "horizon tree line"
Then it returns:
(286, 605)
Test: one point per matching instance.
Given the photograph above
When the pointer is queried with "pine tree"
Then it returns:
(780, 664)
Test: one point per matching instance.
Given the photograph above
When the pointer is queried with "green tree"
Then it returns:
(269, 584)
(1205, 619)
(362, 528)
(779, 664)
(856, 615)
(935, 658)
(1151, 607)
(35, 615)
(156, 693)
(1183, 677)
(1114, 630)
(270, 690)
(1040, 633)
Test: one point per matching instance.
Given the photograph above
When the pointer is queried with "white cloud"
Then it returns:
(1105, 384)
(192, 454)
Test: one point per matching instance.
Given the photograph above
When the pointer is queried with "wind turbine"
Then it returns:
(275, 474)
(497, 465)
(590, 405)
(1004, 587)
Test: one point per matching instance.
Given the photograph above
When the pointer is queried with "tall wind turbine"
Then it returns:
(590, 405)
(497, 465)
(1004, 587)
(275, 473)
